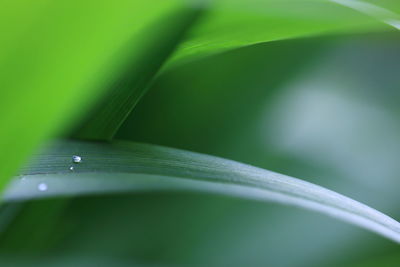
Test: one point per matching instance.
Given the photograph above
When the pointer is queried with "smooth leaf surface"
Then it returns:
(39, 36)
(242, 89)
(128, 86)
(55, 58)
(124, 167)
(232, 23)
(213, 28)
(374, 10)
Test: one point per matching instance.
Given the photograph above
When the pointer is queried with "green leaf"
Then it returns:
(373, 10)
(55, 57)
(122, 167)
(231, 24)
(225, 25)
(131, 82)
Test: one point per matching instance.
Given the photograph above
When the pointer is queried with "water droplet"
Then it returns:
(71, 168)
(42, 187)
(76, 159)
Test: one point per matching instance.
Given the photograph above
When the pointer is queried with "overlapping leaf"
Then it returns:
(57, 57)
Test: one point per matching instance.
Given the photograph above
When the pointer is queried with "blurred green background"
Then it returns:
(323, 109)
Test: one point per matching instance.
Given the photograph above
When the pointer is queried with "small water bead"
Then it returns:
(76, 159)
(71, 168)
(42, 187)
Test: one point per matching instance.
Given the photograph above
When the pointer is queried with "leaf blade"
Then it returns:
(123, 167)
(232, 24)
(127, 87)
(54, 57)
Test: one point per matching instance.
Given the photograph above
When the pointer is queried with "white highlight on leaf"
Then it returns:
(372, 10)
(123, 167)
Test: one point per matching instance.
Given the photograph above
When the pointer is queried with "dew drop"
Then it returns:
(71, 168)
(76, 159)
(42, 187)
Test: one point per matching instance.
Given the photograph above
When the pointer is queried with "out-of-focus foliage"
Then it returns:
(57, 57)
(44, 42)
(235, 23)
(339, 131)
(323, 109)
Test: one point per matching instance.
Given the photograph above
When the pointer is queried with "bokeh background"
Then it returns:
(322, 109)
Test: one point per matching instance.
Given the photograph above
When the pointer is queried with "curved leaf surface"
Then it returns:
(232, 24)
(122, 167)
(56, 57)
